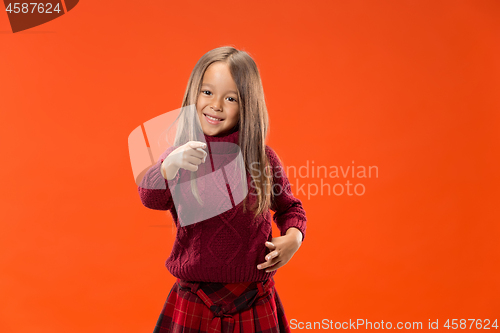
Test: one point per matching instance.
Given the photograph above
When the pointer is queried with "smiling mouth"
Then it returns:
(213, 118)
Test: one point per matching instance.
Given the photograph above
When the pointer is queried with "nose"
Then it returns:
(215, 105)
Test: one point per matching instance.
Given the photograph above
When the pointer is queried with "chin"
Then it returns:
(211, 132)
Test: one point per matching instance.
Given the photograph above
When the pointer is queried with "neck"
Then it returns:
(231, 136)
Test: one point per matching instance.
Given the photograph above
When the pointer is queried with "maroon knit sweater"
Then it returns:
(226, 248)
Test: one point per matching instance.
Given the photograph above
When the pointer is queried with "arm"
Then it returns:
(295, 233)
(154, 189)
(289, 216)
(289, 213)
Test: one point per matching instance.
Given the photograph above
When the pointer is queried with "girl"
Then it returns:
(225, 264)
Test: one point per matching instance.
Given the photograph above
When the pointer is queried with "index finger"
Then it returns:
(198, 144)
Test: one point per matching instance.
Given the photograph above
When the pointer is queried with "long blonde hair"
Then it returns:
(253, 121)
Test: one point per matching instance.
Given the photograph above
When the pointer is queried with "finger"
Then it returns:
(197, 144)
(194, 160)
(268, 263)
(198, 152)
(270, 245)
(204, 154)
(272, 255)
(190, 167)
(265, 264)
(273, 268)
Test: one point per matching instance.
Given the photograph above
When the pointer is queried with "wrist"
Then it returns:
(168, 170)
(295, 233)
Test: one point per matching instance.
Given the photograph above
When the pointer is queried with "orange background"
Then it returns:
(411, 87)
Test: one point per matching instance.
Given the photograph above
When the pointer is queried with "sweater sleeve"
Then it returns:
(154, 190)
(288, 209)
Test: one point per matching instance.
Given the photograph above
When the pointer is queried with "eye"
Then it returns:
(206, 92)
(232, 99)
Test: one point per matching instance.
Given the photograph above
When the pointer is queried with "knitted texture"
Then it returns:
(228, 247)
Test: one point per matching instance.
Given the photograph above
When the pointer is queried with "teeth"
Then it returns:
(212, 117)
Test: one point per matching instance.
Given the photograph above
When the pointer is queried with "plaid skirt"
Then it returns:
(211, 307)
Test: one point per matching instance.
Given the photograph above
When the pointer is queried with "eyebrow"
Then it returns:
(208, 84)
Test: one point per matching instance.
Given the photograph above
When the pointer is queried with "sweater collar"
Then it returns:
(232, 137)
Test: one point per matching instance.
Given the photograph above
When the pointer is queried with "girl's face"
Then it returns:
(218, 98)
